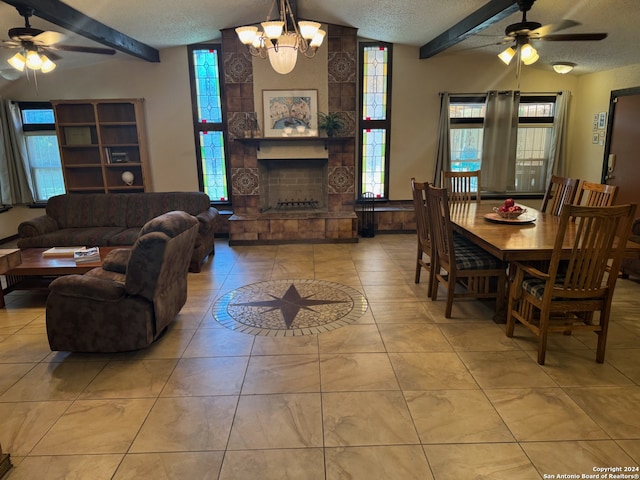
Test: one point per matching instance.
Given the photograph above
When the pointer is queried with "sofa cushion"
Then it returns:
(87, 210)
(94, 236)
(142, 207)
(125, 237)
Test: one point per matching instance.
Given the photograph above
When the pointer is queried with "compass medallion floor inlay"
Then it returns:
(289, 307)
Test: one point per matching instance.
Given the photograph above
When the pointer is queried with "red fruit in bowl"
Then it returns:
(511, 209)
(509, 202)
(502, 209)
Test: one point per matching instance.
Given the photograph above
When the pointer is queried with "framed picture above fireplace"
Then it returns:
(290, 113)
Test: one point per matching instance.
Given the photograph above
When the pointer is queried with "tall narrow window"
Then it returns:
(535, 129)
(210, 135)
(375, 108)
(45, 168)
(466, 119)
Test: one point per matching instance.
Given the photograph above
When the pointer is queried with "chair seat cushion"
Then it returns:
(471, 257)
(535, 287)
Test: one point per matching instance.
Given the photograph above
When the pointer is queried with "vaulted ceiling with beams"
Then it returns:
(137, 30)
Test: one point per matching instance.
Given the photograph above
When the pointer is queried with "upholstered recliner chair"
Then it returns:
(128, 302)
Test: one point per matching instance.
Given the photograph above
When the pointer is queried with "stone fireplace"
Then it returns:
(296, 196)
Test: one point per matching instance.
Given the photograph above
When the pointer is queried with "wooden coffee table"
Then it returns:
(36, 271)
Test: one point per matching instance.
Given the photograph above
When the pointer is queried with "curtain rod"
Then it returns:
(499, 91)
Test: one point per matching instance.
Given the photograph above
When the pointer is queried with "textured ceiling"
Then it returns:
(167, 23)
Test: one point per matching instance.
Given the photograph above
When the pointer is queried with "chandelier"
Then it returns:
(280, 44)
(31, 58)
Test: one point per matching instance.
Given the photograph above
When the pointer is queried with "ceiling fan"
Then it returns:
(521, 33)
(37, 46)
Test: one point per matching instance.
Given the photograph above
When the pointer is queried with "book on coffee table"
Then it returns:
(87, 255)
(61, 252)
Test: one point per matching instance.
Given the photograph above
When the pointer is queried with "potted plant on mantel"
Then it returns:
(331, 123)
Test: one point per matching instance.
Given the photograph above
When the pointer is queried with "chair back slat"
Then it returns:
(441, 228)
(462, 186)
(560, 192)
(419, 190)
(594, 250)
(596, 194)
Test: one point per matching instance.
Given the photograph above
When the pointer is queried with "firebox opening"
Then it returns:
(293, 185)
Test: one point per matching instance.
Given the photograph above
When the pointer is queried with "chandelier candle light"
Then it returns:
(280, 44)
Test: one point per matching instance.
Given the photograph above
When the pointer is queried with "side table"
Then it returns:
(9, 258)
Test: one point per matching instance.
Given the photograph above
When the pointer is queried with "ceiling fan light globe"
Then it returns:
(17, 61)
(47, 65)
(531, 60)
(527, 52)
(34, 62)
(507, 55)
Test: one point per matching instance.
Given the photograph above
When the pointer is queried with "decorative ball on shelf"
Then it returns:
(127, 178)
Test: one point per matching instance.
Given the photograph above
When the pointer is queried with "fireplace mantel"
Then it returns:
(293, 140)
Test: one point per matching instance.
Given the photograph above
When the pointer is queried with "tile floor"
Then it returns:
(401, 393)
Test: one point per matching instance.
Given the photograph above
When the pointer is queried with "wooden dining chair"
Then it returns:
(560, 191)
(419, 190)
(464, 263)
(462, 186)
(565, 296)
(596, 194)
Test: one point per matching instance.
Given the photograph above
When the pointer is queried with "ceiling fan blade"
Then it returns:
(553, 27)
(48, 38)
(10, 74)
(10, 44)
(574, 37)
(51, 54)
(484, 45)
(73, 48)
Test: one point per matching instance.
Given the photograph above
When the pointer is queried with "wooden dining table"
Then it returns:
(532, 238)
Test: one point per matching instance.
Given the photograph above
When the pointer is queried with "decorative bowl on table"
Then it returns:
(509, 215)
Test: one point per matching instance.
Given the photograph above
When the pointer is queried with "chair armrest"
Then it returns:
(82, 286)
(530, 270)
(117, 260)
(206, 220)
(37, 226)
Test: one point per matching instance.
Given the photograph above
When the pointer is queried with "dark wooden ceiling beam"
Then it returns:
(71, 19)
(485, 16)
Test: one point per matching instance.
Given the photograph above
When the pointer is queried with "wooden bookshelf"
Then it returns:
(99, 141)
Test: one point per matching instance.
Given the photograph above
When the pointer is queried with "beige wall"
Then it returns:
(416, 84)
(595, 91)
(416, 103)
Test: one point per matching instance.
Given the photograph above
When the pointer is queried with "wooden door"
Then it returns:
(621, 165)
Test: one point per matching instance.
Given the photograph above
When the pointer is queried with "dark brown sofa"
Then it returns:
(128, 302)
(104, 219)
